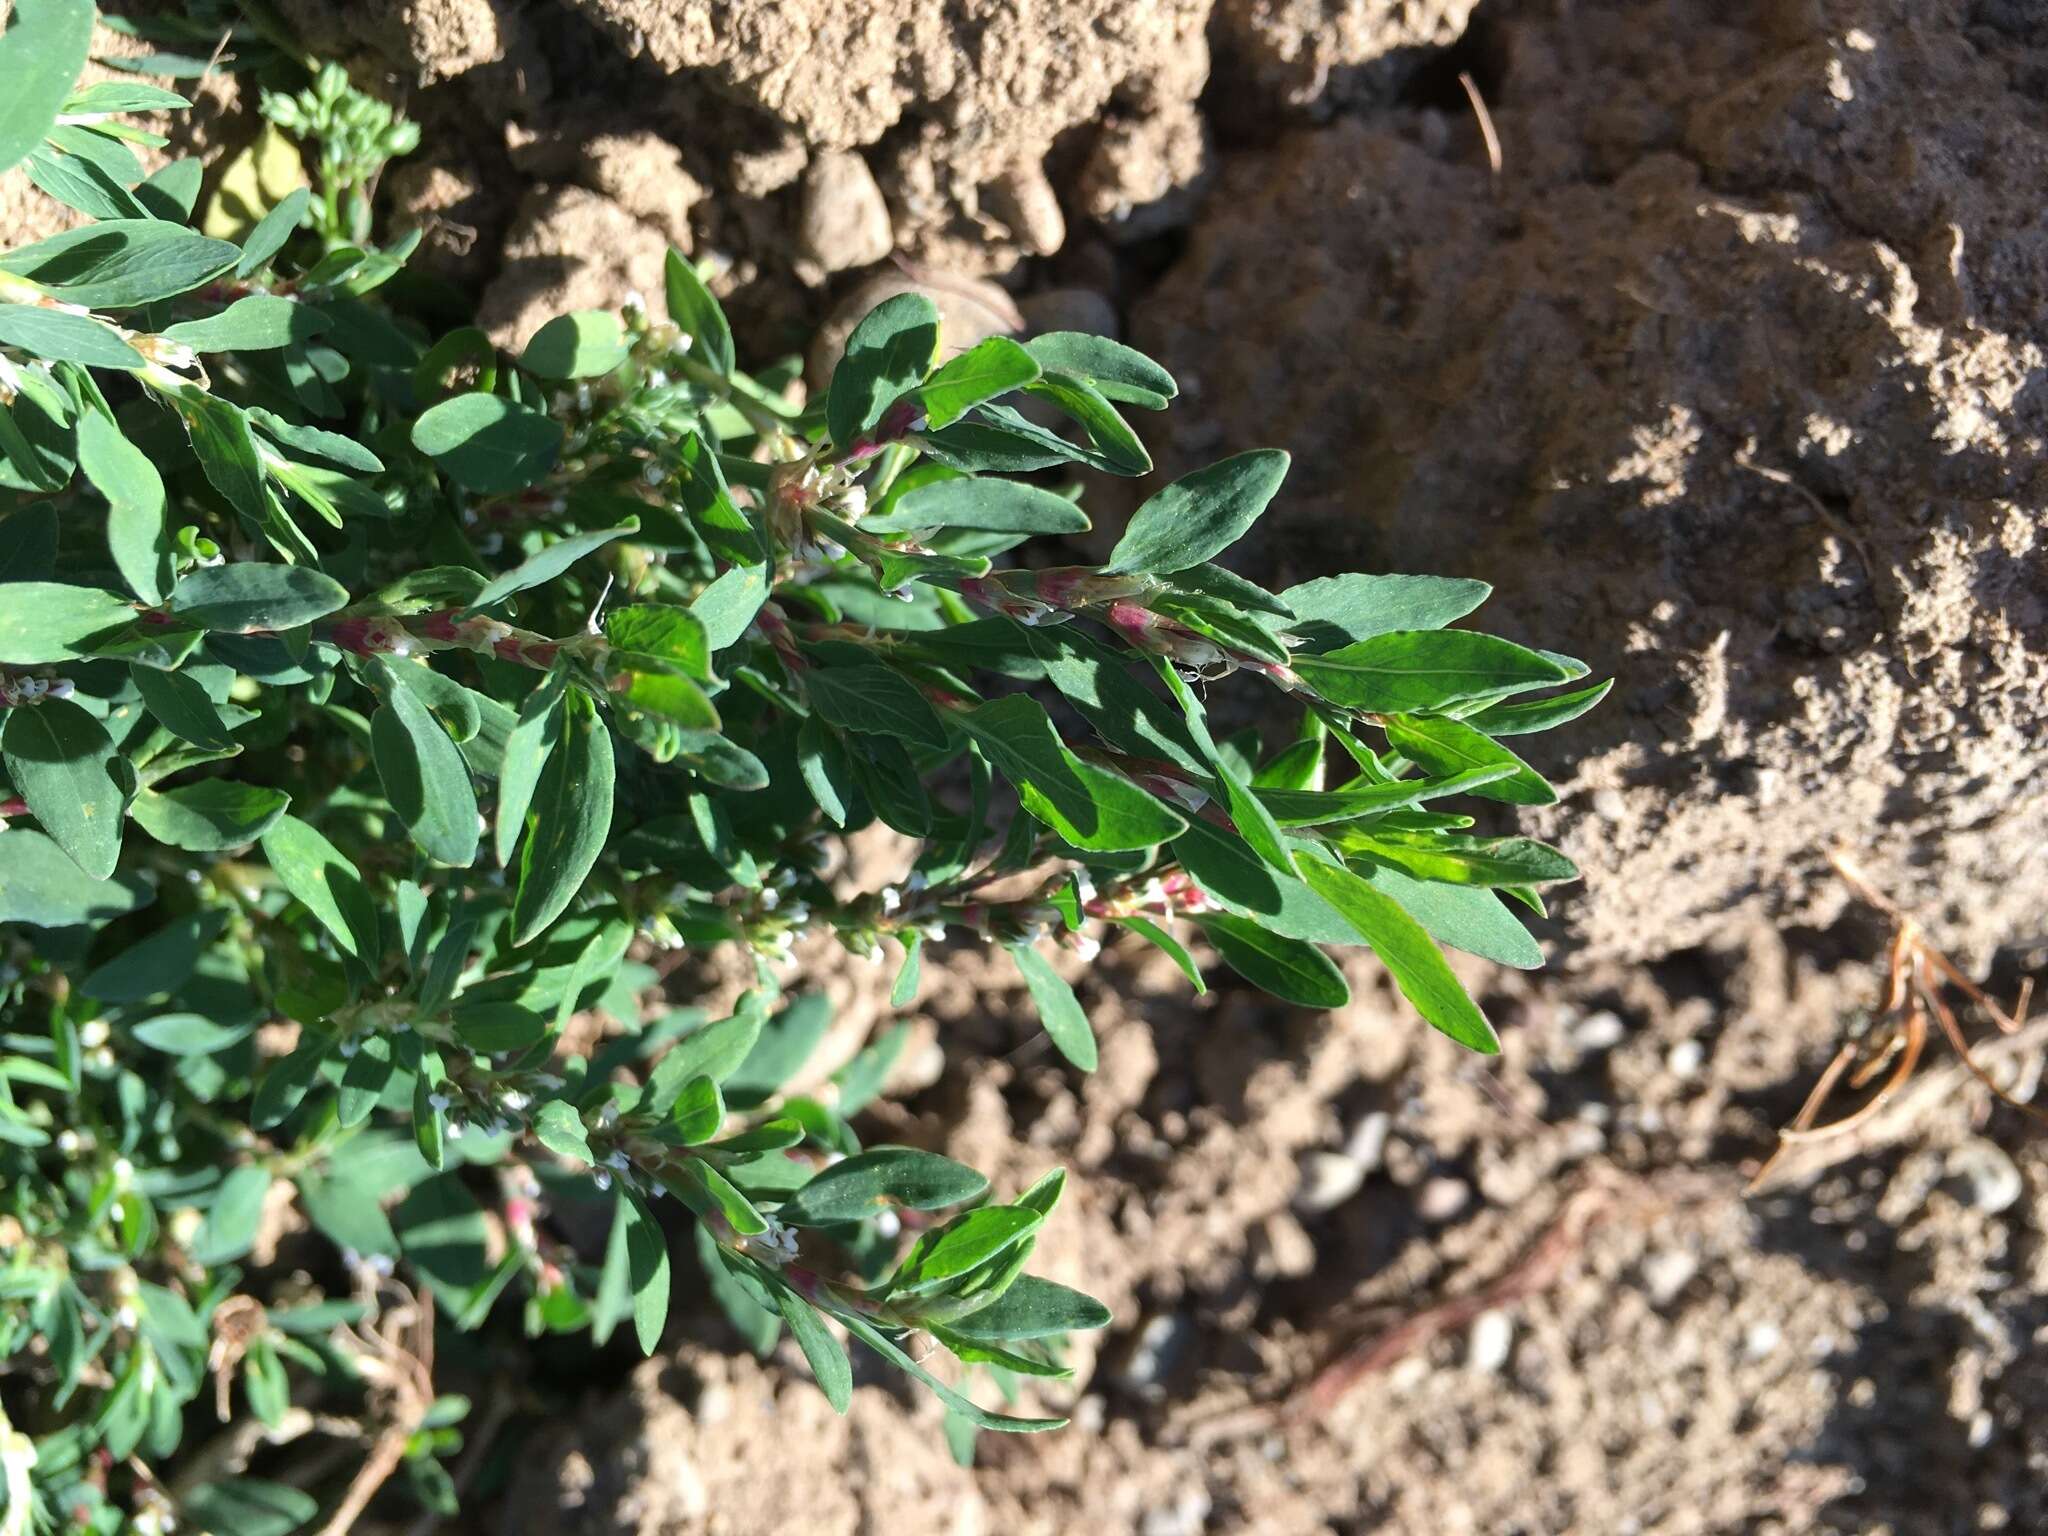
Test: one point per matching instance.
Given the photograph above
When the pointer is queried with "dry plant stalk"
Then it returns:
(1917, 980)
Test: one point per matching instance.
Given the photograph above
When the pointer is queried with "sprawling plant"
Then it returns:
(381, 710)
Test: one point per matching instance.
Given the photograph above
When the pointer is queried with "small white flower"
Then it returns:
(799, 912)
(1084, 885)
(771, 898)
(94, 1032)
(617, 1162)
(933, 930)
(601, 1179)
(456, 1130)
(126, 1318)
(1087, 946)
(653, 474)
(775, 1246)
(888, 1224)
(67, 1142)
(123, 1169)
(891, 898)
(875, 954)
(439, 1101)
(516, 1102)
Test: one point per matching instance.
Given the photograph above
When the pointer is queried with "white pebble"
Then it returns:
(1491, 1341)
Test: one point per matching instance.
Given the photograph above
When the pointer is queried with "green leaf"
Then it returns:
(258, 323)
(875, 700)
(229, 1230)
(64, 765)
(582, 345)
(1417, 966)
(1174, 950)
(1118, 372)
(1058, 1009)
(869, 1335)
(647, 1271)
(549, 563)
(1116, 446)
(183, 707)
(60, 337)
(1528, 716)
(326, 884)
(28, 543)
(1226, 869)
(783, 1045)
(285, 1084)
(904, 992)
(654, 633)
(41, 55)
(487, 443)
(1293, 970)
(985, 370)
(569, 822)
(121, 263)
(156, 965)
(1032, 1309)
(1412, 670)
(246, 1507)
(246, 597)
(528, 746)
(698, 1113)
(40, 885)
(1452, 860)
(558, 1127)
(697, 315)
(729, 604)
(271, 231)
(1322, 807)
(715, 1051)
(210, 816)
(825, 1355)
(423, 773)
(189, 1034)
(1444, 746)
(1333, 611)
(1000, 506)
(123, 474)
(1463, 916)
(1200, 515)
(1090, 807)
(869, 1181)
(968, 1240)
(46, 621)
(443, 1232)
(886, 355)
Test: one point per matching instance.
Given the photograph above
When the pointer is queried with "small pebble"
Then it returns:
(1155, 1351)
(1491, 1341)
(1367, 1145)
(1601, 1031)
(1328, 1179)
(1761, 1340)
(1442, 1198)
(1990, 1181)
(1686, 1059)
(1667, 1272)
(1187, 1515)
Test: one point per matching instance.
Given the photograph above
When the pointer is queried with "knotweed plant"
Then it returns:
(379, 711)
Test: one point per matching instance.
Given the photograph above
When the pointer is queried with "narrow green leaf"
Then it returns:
(886, 355)
(571, 817)
(1033, 1309)
(246, 597)
(271, 231)
(41, 886)
(989, 368)
(63, 763)
(1444, 746)
(488, 443)
(326, 884)
(874, 700)
(1058, 1009)
(183, 707)
(258, 323)
(423, 773)
(58, 336)
(869, 1335)
(1293, 970)
(825, 1355)
(549, 563)
(46, 621)
(1118, 372)
(1526, 717)
(1000, 506)
(210, 816)
(1406, 671)
(1090, 807)
(41, 55)
(121, 263)
(697, 315)
(136, 537)
(861, 1185)
(582, 345)
(1334, 611)
(1417, 966)
(528, 746)
(1200, 515)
